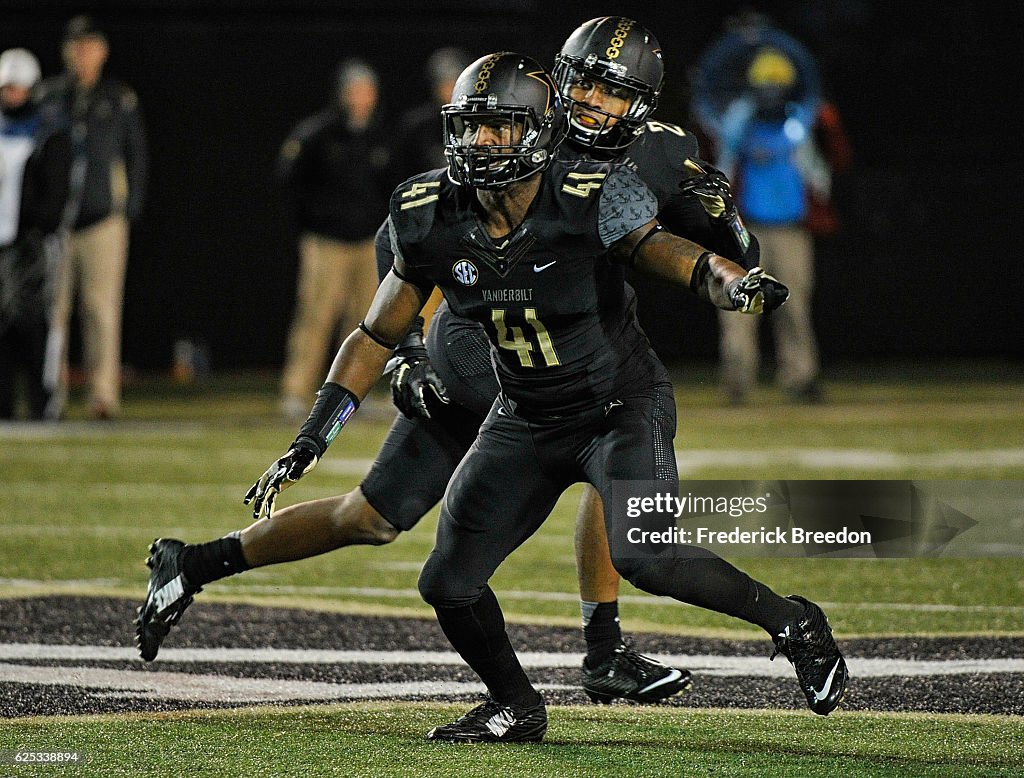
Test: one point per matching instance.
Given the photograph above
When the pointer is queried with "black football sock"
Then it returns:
(708, 581)
(477, 633)
(768, 610)
(731, 591)
(601, 631)
(212, 561)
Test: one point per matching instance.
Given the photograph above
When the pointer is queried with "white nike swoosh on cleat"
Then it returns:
(819, 696)
(672, 676)
(168, 593)
(538, 268)
(500, 723)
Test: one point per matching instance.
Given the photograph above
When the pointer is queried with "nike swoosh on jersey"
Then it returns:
(538, 268)
(826, 687)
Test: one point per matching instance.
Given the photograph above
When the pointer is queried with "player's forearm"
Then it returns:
(362, 357)
(715, 284)
(684, 262)
(359, 363)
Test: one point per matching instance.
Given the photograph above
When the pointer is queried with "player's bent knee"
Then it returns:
(431, 584)
(355, 522)
(442, 588)
(377, 530)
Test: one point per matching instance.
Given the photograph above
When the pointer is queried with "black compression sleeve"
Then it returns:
(333, 407)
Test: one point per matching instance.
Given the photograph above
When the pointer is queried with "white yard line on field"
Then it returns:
(709, 664)
(221, 688)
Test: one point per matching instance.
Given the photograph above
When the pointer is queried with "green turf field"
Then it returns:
(385, 741)
(81, 502)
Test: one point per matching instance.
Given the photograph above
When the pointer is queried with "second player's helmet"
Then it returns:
(620, 52)
(502, 90)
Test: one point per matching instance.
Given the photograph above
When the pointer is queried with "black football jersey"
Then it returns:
(560, 318)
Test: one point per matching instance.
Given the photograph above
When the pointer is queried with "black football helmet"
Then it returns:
(620, 52)
(502, 89)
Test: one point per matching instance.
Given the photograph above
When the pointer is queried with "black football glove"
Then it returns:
(758, 292)
(414, 376)
(300, 459)
(711, 187)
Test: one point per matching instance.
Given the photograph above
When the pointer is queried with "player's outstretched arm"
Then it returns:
(356, 368)
(652, 249)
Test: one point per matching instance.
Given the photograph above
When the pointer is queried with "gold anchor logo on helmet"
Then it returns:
(619, 38)
(484, 76)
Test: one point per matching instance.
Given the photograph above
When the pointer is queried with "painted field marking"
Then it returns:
(709, 664)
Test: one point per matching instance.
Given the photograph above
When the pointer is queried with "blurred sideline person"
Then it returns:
(179, 570)
(764, 131)
(336, 167)
(424, 446)
(108, 187)
(419, 146)
(35, 160)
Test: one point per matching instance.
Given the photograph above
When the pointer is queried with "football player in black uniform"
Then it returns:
(535, 252)
(421, 453)
(609, 102)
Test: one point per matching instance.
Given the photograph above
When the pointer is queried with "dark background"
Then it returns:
(925, 266)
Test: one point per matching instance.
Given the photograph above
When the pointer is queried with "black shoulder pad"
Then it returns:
(573, 189)
(413, 204)
(627, 203)
(668, 144)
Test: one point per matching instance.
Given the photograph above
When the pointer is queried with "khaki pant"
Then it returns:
(94, 266)
(336, 284)
(788, 254)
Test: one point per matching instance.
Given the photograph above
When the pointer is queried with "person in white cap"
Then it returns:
(35, 157)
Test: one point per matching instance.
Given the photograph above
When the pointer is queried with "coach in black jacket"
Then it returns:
(108, 188)
(335, 167)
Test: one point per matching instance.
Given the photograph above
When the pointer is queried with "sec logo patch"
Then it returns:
(465, 272)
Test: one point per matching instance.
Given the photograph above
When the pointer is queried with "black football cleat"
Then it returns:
(633, 676)
(168, 596)
(820, 668)
(492, 722)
